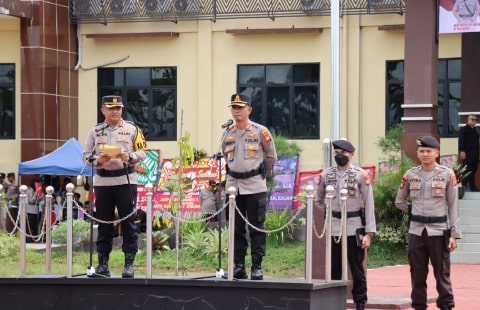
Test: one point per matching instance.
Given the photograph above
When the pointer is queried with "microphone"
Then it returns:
(227, 123)
(101, 126)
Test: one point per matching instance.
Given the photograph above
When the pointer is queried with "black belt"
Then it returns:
(114, 173)
(338, 214)
(245, 175)
(428, 219)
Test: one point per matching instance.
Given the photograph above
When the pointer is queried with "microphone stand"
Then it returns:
(90, 269)
(219, 273)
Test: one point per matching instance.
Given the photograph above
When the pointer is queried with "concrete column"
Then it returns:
(421, 59)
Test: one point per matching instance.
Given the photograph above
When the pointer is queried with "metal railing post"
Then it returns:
(308, 250)
(69, 187)
(22, 205)
(149, 189)
(231, 230)
(328, 233)
(343, 198)
(48, 226)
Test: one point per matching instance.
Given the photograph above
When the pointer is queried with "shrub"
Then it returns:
(160, 241)
(9, 245)
(80, 233)
(274, 222)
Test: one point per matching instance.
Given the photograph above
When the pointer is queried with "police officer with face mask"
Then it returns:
(361, 223)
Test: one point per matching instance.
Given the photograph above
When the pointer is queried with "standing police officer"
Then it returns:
(249, 152)
(361, 223)
(115, 182)
(434, 223)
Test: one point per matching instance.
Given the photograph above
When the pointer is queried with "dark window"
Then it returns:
(285, 97)
(449, 95)
(149, 97)
(7, 101)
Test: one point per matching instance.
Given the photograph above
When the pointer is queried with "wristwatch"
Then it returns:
(132, 156)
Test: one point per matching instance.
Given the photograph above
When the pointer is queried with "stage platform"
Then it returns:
(165, 293)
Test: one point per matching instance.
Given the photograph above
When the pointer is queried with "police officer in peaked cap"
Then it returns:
(115, 182)
(250, 153)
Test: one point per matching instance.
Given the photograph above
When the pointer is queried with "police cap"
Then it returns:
(343, 145)
(112, 101)
(427, 141)
(212, 182)
(10, 174)
(240, 100)
(2, 175)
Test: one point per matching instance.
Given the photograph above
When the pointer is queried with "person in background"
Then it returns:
(141, 220)
(208, 201)
(434, 223)
(361, 224)
(249, 152)
(12, 201)
(35, 195)
(469, 151)
(115, 182)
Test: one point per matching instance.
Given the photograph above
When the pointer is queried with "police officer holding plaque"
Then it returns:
(250, 153)
(434, 222)
(361, 223)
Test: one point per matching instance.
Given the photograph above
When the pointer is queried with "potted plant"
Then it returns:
(461, 173)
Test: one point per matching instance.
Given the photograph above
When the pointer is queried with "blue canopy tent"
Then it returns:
(66, 160)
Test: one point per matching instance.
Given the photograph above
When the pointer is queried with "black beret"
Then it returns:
(428, 141)
(212, 182)
(112, 101)
(343, 145)
(240, 100)
(10, 174)
(2, 175)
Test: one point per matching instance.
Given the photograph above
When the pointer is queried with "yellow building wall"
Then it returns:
(10, 53)
(206, 58)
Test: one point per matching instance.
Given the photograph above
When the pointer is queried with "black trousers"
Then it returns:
(107, 198)
(355, 256)
(420, 251)
(472, 164)
(253, 207)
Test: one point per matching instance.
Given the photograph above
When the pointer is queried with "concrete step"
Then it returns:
(471, 195)
(469, 203)
(468, 219)
(469, 229)
(470, 238)
(458, 257)
(467, 247)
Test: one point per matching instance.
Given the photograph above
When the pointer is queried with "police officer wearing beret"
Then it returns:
(115, 182)
(434, 223)
(361, 223)
(249, 152)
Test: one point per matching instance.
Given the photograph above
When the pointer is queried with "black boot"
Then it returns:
(360, 306)
(256, 270)
(239, 272)
(102, 268)
(128, 267)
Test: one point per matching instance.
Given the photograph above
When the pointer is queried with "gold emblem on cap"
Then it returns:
(237, 99)
(114, 100)
(419, 142)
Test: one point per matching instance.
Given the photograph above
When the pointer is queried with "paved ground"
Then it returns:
(389, 287)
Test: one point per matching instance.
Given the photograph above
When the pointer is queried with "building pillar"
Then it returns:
(470, 69)
(421, 66)
(49, 83)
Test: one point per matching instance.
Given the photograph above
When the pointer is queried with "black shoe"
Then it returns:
(360, 306)
(102, 270)
(256, 273)
(127, 272)
(239, 272)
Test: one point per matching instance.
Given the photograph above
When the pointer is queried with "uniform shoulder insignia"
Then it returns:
(404, 180)
(266, 135)
(453, 178)
(366, 178)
